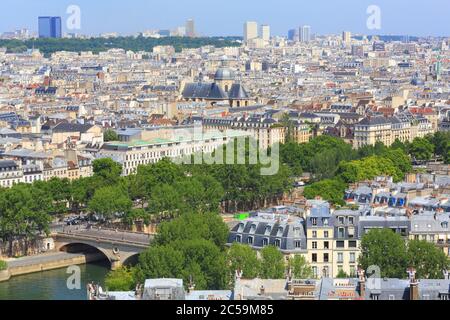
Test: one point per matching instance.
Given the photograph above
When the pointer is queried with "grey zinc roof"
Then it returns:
(270, 227)
(204, 91)
(72, 127)
(385, 288)
(430, 222)
(7, 164)
(237, 92)
(373, 121)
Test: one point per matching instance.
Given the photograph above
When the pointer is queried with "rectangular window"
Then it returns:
(278, 243)
(340, 257)
(340, 244)
(352, 257)
(325, 257)
(352, 244)
(326, 234)
(314, 244)
(314, 234)
(314, 257)
(298, 244)
(314, 270)
(326, 245)
(314, 221)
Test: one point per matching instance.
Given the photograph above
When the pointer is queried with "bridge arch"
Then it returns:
(93, 253)
(131, 260)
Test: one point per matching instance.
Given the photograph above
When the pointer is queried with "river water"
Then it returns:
(52, 285)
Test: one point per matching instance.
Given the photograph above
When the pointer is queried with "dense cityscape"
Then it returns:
(168, 165)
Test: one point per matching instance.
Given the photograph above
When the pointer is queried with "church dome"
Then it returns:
(224, 74)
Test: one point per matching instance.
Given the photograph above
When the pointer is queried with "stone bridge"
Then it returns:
(119, 247)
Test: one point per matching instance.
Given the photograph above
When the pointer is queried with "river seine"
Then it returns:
(52, 285)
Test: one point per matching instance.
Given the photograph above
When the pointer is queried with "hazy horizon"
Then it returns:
(400, 17)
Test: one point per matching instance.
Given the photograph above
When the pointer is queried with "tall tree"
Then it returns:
(121, 279)
(110, 135)
(300, 268)
(428, 260)
(421, 149)
(272, 263)
(242, 257)
(108, 201)
(385, 249)
(108, 170)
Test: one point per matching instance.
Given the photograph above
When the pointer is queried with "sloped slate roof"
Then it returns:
(237, 92)
(72, 127)
(204, 91)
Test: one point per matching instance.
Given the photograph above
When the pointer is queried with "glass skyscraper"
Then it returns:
(50, 27)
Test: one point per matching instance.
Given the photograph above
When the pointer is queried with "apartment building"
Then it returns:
(263, 129)
(320, 235)
(346, 242)
(132, 154)
(432, 227)
(404, 127)
(10, 173)
(268, 229)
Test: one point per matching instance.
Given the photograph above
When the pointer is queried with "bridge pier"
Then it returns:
(115, 264)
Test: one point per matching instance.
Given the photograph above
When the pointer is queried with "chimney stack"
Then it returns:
(446, 274)
(263, 290)
(413, 284)
(362, 283)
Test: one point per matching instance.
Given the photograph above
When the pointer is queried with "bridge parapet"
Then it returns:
(118, 247)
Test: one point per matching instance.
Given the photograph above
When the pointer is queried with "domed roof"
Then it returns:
(224, 74)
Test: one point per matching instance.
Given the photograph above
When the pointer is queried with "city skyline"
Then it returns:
(401, 17)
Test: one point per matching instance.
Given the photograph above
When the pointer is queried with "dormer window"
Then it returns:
(314, 221)
(280, 232)
(253, 228)
(325, 221)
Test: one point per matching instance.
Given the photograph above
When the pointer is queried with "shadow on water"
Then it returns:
(52, 285)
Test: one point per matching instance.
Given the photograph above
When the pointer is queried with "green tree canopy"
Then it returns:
(300, 268)
(108, 170)
(121, 279)
(190, 226)
(421, 149)
(108, 201)
(160, 262)
(242, 257)
(330, 189)
(385, 249)
(428, 260)
(272, 263)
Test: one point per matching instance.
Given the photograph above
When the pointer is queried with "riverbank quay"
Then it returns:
(44, 262)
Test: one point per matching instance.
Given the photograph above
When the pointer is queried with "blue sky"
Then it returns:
(414, 17)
